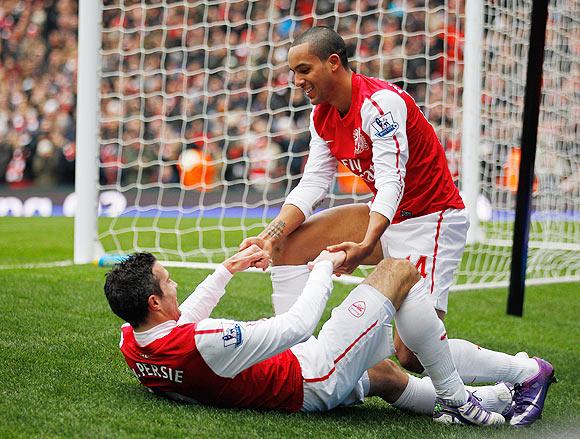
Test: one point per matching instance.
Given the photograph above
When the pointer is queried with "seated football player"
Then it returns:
(276, 363)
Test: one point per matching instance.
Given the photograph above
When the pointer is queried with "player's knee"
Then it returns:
(396, 276)
(402, 268)
(291, 250)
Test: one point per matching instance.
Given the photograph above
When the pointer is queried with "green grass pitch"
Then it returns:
(62, 374)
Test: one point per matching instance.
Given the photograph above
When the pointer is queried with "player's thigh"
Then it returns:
(356, 337)
(329, 227)
(434, 243)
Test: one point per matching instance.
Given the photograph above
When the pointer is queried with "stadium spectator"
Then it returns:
(161, 65)
(37, 99)
(38, 53)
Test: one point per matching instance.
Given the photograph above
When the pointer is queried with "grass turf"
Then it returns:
(63, 376)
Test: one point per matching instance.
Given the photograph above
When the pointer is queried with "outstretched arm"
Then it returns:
(288, 220)
(304, 198)
(229, 347)
(202, 301)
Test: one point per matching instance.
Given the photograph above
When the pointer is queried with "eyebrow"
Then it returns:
(299, 65)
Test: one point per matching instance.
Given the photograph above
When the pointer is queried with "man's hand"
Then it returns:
(246, 258)
(337, 259)
(263, 244)
(355, 254)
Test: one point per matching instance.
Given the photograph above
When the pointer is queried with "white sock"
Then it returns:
(476, 364)
(419, 396)
(424, 333)
(288, 281)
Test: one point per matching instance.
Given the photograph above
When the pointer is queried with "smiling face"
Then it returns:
(168, 304)
(313, 75)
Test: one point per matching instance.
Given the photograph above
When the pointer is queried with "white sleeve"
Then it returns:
(202, 301)
(228, 347)
(318, 175)
(390, 148)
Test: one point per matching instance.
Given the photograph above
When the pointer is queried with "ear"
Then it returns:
(153, 302)
(334, 61)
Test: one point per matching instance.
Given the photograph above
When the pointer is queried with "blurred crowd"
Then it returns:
(171, 83)
(38, 56)
(205, 85)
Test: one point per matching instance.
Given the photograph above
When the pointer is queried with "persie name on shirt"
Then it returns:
(144, 370)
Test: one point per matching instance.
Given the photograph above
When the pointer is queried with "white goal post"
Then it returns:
(191, 137)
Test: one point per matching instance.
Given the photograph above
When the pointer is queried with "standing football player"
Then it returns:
(377, 130)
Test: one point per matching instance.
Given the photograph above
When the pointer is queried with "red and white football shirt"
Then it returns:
(388, 142)
(229, 363)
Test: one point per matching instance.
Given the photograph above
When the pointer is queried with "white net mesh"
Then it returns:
(554, 247)
(204, 137)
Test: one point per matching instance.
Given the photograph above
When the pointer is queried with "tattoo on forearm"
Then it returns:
(275, 229)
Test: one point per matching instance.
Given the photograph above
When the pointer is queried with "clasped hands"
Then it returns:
(346, 256)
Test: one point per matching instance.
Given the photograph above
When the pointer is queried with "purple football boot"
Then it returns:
(470, 413)
(531, 394)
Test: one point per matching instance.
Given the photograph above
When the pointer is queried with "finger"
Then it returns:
(259, 256)
(254, 248)
(338, 247)
(343, 269)
(263, 263)
(310, 265)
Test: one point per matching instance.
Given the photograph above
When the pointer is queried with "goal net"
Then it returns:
(554, 240)
(201, 137)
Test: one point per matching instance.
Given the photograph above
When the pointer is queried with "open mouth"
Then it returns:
(308, 90)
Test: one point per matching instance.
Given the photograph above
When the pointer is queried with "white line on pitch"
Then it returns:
(37, 265)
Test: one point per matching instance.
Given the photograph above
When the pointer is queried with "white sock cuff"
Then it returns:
(285, 272)
(368, 289)
(403, 401)
(418, 397)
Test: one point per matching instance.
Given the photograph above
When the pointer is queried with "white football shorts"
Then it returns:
(434, 243)
(357, 336)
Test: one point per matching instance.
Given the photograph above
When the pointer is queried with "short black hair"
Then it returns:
(128, 286)
(324, 42)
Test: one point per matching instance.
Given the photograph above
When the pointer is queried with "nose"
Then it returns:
(298, 80)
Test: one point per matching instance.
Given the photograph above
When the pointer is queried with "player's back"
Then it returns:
(174, 365)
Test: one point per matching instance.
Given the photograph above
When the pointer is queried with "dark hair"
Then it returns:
(128, 286)
(323, 43)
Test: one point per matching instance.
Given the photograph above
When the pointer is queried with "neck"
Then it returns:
(151, 322)
(343, 96)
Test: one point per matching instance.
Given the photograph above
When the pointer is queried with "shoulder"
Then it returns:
(126, 334)
(382, 101)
